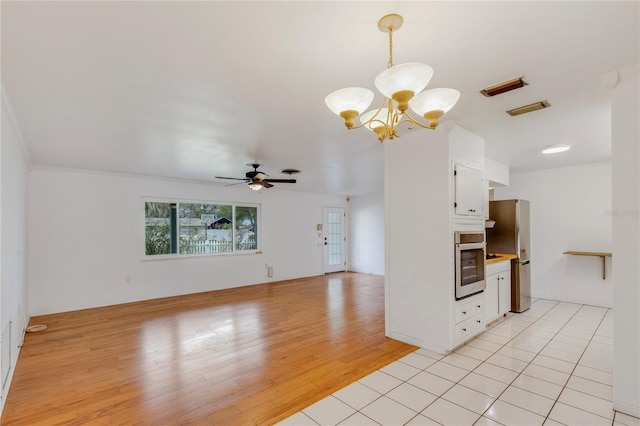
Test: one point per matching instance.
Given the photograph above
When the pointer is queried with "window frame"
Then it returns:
(178, 202)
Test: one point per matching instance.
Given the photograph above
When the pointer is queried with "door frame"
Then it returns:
(326, 269)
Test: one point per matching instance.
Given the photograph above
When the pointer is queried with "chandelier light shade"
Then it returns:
(402, 86)
(403, 81)
(432, 104)
(349, 102)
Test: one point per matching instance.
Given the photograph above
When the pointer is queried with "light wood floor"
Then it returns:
(252, 355)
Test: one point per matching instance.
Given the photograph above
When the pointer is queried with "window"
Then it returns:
(199, 228)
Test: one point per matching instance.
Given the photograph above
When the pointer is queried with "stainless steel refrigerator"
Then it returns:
(510, 234)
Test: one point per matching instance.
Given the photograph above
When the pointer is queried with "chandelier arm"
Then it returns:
(413, 122)
(373, 118)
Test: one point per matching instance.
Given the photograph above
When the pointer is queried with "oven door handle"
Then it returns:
(470, 246)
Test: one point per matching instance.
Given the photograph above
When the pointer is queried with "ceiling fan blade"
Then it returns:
(237, 183)
(222, 177)
(280, 180)
(266, 184)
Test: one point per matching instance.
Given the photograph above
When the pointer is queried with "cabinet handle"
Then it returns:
(464, 329)
(478, 306)
(478, 321)
(464, 312)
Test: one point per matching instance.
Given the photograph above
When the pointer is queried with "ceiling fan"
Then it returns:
(257, 179)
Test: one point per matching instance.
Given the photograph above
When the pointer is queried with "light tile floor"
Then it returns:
(550, 365)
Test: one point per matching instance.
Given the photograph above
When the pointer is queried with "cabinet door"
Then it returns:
(504, 292)
(491, 298)
(469, 190)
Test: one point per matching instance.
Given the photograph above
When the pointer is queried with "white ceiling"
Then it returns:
(198, 89)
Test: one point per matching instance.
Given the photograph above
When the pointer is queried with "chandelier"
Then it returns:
(402, 87)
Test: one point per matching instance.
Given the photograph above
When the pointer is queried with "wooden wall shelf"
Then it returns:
(602, 255)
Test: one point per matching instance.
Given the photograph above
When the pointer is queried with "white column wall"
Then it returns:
(86, 240)
(366, 225)
(626, 244)
(14, 165)
(570, 210)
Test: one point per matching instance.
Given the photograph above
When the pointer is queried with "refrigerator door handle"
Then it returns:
(526, 262)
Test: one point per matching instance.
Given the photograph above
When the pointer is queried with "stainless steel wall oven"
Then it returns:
(470, 254)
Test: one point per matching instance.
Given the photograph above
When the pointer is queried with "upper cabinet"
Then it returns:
(469, 191)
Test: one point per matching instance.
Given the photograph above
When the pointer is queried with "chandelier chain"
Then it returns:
(390, 63)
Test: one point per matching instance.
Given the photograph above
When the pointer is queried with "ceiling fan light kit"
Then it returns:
(402, 86)
(256, 185)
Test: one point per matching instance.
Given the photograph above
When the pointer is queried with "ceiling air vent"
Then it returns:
(505, 86)
(528, 108)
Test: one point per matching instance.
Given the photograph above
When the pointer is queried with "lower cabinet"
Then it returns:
(491, 297)
(497, 295)
(504, 291)
(469, 318)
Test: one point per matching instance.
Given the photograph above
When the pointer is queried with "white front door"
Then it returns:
(334, 239)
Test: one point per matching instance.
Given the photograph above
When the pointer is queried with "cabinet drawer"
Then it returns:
(468, 327)
(468, 309)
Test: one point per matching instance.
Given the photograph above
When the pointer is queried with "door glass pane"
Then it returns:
(334, 238)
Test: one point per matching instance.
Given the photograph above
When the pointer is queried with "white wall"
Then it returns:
(418, 271)
(86, 235)
(495, 172)
(13, 235)
(570, 210)
(626, 243)
(366, 225)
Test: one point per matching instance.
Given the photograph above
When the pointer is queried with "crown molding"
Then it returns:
(612, 78)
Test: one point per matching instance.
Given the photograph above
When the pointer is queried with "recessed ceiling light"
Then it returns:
(554, 149)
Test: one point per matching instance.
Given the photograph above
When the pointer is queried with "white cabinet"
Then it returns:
(491, 297)
(469, 318)
(469, 191)
(497, 295)
(504, 291)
